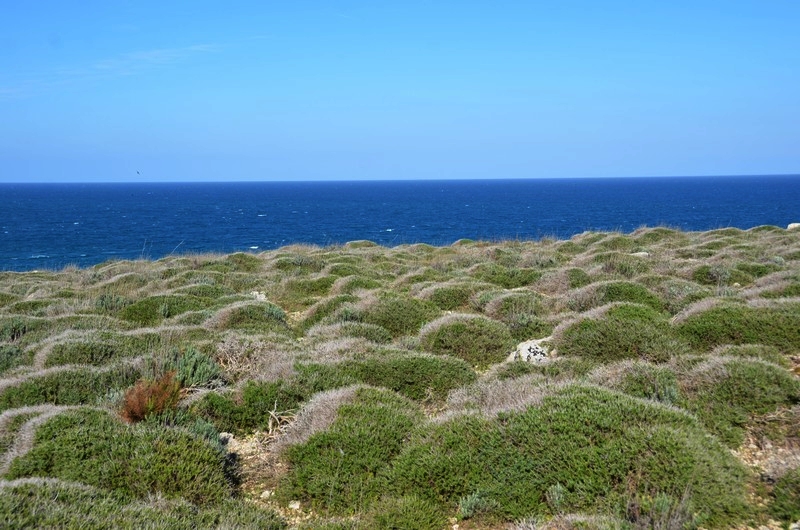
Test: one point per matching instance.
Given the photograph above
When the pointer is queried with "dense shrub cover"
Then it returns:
(370, 387)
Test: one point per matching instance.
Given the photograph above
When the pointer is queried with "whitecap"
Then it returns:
(253, 248)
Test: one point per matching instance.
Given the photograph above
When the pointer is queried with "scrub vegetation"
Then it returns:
(364, 387)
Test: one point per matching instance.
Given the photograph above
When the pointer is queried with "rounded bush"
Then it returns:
(398, 314)
(626, 331)
(478, 340)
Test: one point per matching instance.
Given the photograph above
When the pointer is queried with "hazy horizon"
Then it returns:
(346, 90)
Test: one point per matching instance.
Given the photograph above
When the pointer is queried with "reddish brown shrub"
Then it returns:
(150, 397)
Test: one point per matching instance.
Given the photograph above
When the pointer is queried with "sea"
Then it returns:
(50, 226)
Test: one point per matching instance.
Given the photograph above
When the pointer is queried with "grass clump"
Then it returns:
(404, 513)
(477, 340)
(337, 470)
(261, 317)
(83, 352)
(92, 447)
(626, 331)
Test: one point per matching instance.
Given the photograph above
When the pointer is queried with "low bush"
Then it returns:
(83, 352)
(415, 376)
(50, 503)
(719, 276)
(152, 310)
(649, 381)
(325, 308)
(404, 513)
(76, 386)
(628, 292)
(578, 278)
(337, 470)
(478, 340)
(785, 506)
(398, 314)
(448, 297)
(11, 356)
(148, 398)
(624, 332)
(597, 446)
(726, 393)
(738, 324)
(622, 264)
(506, 277)
(252, 407)
(94, 448)
(262, 317)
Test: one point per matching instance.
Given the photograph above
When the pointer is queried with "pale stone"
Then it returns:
(530, 351)
(641, 254)
(793, 226)
(266, 494)
(294, 505)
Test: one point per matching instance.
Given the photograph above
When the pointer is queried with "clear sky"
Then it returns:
(141, 90)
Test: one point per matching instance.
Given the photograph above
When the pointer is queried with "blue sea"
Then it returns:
(49, 226)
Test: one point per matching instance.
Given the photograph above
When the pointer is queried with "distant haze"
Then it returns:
(344, 90)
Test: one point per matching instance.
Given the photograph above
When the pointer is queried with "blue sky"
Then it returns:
(111, 90)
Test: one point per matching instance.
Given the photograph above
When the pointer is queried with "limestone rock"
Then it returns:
(793, 226)
(531, 351)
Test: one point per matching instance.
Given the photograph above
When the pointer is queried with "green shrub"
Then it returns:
(757, 270)
(785, 505)
(720, 276)
(31, 307)
(11, 356)
(415, 376)
(622, 264)
(453, 296)
(628, 292)
(250, 408)
(91, 447)
(243, 262)
(261, 317)
(196, 369)
(12, 329)
(725, 394)
(93, 353)
(506, 277)
(48, 503)
(75, 386)
(627, 331)
(152, 310)
(598, 446)
(477, 340)
(578, 278)
(648, 381)
(336, 470)
(325, 308)
(110, 303)
(734, 324)
(371, 332)
(296, 292)
(404, 513)
(398, 314)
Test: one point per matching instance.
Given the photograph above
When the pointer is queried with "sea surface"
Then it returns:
(49, 226)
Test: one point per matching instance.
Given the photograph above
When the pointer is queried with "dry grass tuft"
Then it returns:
(317, 415)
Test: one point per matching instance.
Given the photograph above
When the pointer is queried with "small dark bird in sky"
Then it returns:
(137, 172)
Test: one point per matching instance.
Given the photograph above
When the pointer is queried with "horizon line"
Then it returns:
(442, 179)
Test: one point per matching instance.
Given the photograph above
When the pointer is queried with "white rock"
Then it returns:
(641, 254)
(266, 494)
(530, 351)
(294, 505)
(793, 226)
